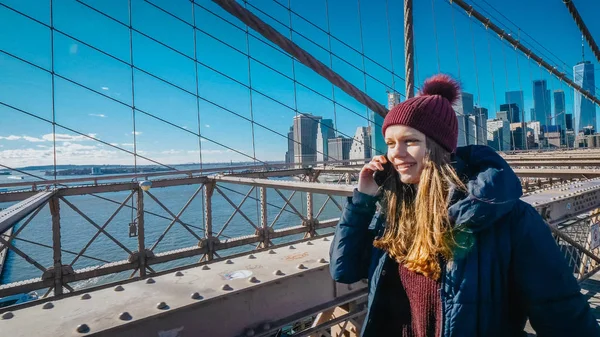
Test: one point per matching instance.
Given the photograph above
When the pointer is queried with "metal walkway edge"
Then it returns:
(15, 213)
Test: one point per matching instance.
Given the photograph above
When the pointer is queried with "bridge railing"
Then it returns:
(89, 235)
(195, 220)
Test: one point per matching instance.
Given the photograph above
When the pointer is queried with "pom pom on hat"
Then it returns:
(442, 85)
(430, 112)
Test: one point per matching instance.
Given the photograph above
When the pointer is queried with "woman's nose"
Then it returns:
(398, 151)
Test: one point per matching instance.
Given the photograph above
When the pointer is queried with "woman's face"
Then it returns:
(406, 151)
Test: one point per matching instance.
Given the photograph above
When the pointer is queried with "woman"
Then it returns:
(454, 251)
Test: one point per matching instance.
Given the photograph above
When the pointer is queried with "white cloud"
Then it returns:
(137, 133)
(127, 144)
(105, 88)
(33, 139)
(207, 125)
(11, 137)
(114, 144)
(63, 137)
(98, 115)
(42, 146)
(73, 48)
(171, 151)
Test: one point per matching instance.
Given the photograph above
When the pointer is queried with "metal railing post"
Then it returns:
(264, 223)
(141, 231)
(56, 245)
(209, 188)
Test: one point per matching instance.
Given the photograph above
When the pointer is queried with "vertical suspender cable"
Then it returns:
(409, 48)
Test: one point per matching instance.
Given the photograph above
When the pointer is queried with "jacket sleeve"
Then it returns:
(350, 250)
(546, 285)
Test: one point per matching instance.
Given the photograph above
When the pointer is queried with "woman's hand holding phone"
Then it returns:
(367, 183)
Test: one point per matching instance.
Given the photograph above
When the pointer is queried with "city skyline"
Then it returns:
(181, 88)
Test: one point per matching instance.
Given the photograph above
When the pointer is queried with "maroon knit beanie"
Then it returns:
(430, 112)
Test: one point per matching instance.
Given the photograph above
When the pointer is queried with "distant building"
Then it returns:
(515, 97)
(305, 138)
(498, 134)
(518, 136)
(289, 154)
(482, 114)
(512, 111)
(502, 115)
(325, 131)
(361, 144)
(541, 102)
(377, 139)
(536, 129)
(464, 105)
(559, 109)
(569, 121)
(584, 110)
(339, 148)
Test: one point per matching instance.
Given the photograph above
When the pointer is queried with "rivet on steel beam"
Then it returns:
(309, 243)
(205, 267)
(252, 256)
(250, 333)
(7, 315)
(301, 266)
(266, 326)
(279, 272)
(350, 287)
(228, 262)
(178, 273)
(86, 296)
(83, 328)
(272, 252)
(253, 280)
(48, 305)
(292, 247)
(150, 281)
(226, 287)
(119, 288)
(325, 239)
(196, 296)
(322, 260)
(125, 316)
(161, 305)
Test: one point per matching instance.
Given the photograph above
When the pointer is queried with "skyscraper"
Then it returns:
(361, 144)
(541, 102)
(377, 140)
(512, 111)
(559, 109)
(516, 97)
(339, 148)
(584, 111)
(463, 108)
(325, 131)
(482, 133)
(289, 155)
(305, 138)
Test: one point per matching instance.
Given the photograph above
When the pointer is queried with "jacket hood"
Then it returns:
(492, 188)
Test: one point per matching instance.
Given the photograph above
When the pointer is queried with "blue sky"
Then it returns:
(94, 96)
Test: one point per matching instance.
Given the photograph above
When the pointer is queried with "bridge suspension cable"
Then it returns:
(300, 54)
(583, 28)
(528, 52)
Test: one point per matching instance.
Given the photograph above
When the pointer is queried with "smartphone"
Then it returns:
(381, 176)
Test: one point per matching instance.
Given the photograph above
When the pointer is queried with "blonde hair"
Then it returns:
(418, 231)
